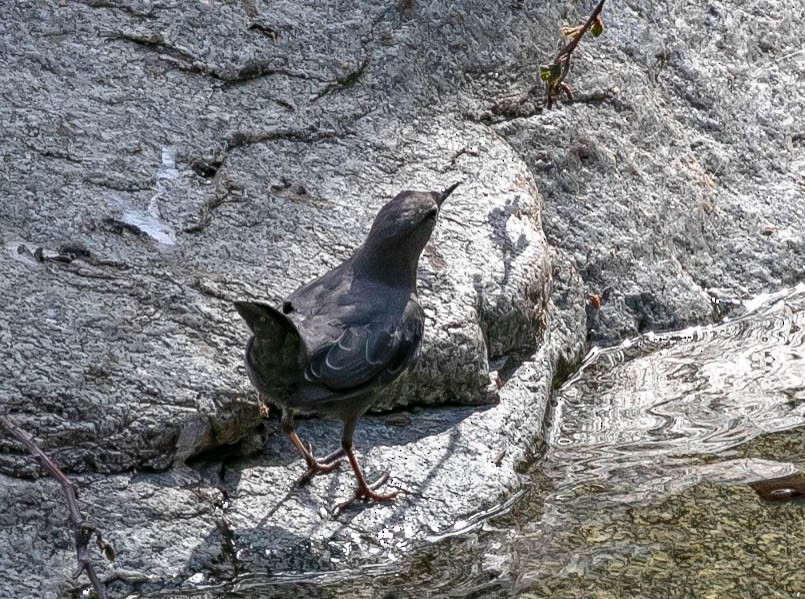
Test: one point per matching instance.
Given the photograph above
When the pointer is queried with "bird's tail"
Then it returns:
(276, 353)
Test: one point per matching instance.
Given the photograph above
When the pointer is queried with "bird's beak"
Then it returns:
(447, 192)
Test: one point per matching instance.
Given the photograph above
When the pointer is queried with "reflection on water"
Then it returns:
(646, 474)
(644, 488)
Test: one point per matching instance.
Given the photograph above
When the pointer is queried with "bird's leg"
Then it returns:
(314, 466)
(338, 453)
(365, 491)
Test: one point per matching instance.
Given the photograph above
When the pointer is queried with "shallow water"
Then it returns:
(649, 483)
(647, 471)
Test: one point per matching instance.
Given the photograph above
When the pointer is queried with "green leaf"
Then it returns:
(550, 73)
(597, 28)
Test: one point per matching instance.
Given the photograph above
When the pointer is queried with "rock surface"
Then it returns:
(169, 158)
(683, 186)
(161, 206)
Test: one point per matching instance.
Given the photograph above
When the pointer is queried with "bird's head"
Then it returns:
(400, 232)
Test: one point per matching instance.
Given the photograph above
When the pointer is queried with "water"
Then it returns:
(651, 485)
(647, 477)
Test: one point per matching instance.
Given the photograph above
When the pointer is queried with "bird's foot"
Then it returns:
(367, 492)
(329, 459)
(315, 467)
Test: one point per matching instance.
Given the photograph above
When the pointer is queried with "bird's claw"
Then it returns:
(367, 492)
(314, 468)
(379, 483)
(330, 459)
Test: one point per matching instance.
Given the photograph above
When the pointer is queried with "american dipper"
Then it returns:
(342, 337)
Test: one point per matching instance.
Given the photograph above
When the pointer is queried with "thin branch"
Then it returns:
(552, 78)
(568, 49)
(556, 72)
(82, 529)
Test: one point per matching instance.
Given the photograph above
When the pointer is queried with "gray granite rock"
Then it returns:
(171, 157)
(168, 188)
(676, 184)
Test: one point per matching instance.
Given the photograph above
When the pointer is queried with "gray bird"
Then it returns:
(341, 338)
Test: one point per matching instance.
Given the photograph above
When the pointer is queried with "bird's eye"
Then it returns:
(433, 213)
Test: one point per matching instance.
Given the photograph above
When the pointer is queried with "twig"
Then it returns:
(552, 77)
(82, 529)
(577, 38)
(555, 73)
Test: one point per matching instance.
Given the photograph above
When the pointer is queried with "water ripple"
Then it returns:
(704, 389)
(649, 466)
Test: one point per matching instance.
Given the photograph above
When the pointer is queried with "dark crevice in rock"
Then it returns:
(344, 82)
(226, 453)
(119, 227)
(54, 153)
(266, 30)
(257, 70)
(206, 168)
(531, 103)
(228, 549)
(74, 257)
(566, 366)
(651, 313)
(309, 134)
(186, 61)
(205, 213)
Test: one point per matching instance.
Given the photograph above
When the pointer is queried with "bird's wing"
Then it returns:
(276, 352)
(380, 349)
(320, 293)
